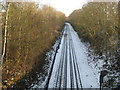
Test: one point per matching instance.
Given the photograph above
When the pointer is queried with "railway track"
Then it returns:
(65, 72)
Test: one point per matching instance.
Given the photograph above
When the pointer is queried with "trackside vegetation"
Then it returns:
(31, 31)
(98, 24)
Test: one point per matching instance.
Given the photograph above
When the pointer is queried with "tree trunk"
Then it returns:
(5, 34)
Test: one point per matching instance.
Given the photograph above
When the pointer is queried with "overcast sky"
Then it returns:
(65, 6)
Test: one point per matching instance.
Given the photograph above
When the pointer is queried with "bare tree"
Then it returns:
(5, 35)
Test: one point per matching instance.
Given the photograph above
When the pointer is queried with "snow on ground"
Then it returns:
(88, 73)
(56, 65)
(50, 56)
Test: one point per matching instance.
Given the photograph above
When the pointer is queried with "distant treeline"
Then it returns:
(31, 32)
(97, 23)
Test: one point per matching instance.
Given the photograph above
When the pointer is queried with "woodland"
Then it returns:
(99, 25)
(31, 30)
